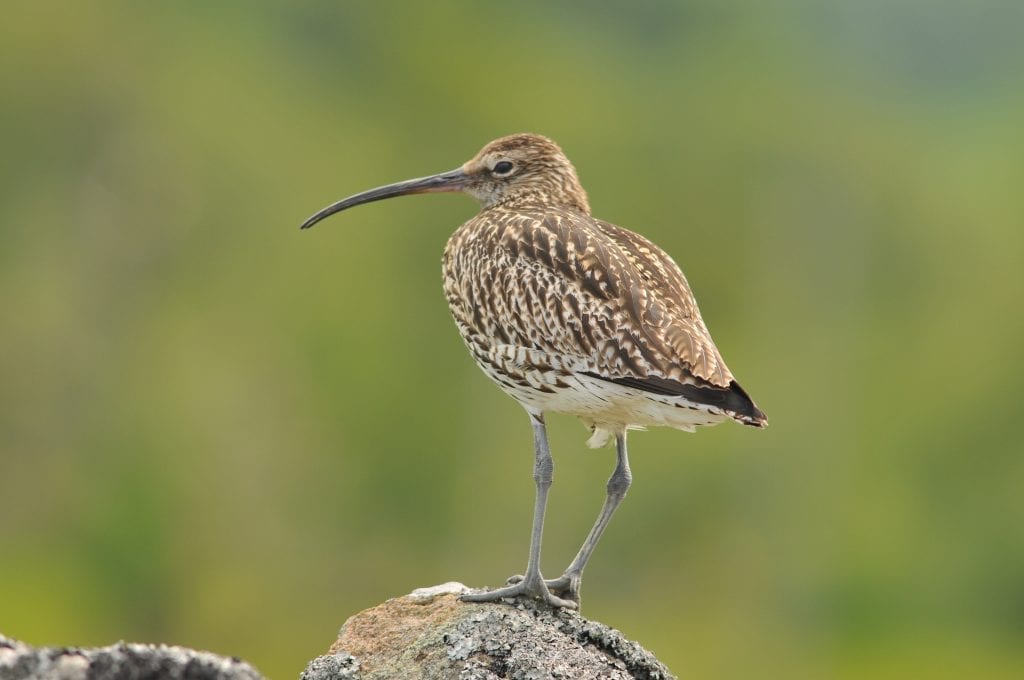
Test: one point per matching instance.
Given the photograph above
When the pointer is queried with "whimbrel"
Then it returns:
(570, 314)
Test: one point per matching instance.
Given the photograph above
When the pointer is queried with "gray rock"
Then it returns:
(340, 666)
(122, 661)
(430, 634)
(427, 635)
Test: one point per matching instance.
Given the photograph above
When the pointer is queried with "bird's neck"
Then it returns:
(570, 200)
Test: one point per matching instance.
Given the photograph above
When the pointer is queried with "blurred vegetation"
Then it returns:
(218, 431)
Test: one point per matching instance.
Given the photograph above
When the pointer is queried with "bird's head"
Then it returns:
(522, 169)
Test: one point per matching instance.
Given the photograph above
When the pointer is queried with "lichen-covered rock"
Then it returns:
(122, 661)
(340, 666)
(426, 635)
(430, 634)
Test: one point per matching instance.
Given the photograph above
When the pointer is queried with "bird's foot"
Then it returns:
(566, 586)
(535, 588)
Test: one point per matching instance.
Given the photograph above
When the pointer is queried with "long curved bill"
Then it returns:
(453, 180)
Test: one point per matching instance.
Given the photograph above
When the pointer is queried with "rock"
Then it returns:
(431, 634)
(426, 635)
(122, 661)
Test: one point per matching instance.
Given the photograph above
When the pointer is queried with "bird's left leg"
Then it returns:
(568, 584)
(532, 585)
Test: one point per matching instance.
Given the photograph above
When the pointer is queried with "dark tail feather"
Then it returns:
(732, 399)
(751, 415)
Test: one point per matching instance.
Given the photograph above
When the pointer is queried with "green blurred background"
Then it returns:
(220, 432)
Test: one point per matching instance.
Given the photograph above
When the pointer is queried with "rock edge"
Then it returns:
(121, 661)
(430, 634)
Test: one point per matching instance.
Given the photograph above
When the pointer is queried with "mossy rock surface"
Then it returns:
(432, 634)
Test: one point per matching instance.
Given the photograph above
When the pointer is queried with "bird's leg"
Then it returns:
(568, 584)
(532, 584)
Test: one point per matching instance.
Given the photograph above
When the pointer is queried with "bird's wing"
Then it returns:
(625, 303)
(607, 302)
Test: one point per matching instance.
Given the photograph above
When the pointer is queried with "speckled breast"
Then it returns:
(507, 309)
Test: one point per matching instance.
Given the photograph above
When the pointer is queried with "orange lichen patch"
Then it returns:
(398, 627)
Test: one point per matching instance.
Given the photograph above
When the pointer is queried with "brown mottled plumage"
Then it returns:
(546, 296)
(570, 314)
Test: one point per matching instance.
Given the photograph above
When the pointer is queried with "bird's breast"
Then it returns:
(526, 316)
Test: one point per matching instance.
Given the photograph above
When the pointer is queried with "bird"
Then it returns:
(573, 315)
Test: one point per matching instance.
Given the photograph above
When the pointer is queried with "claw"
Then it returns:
(535, 589)
(566, 586)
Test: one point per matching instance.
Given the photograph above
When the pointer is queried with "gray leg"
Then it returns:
(568, 584)
(532, 585)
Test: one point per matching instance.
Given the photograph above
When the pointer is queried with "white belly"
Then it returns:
(555, 385)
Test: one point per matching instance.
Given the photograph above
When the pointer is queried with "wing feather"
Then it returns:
(608, 301)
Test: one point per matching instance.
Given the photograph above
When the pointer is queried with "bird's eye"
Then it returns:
(502, 168)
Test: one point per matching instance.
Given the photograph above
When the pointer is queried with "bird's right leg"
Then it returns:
(568, 584)
(532, 584)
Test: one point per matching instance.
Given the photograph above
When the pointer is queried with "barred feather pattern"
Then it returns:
(571, 314)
